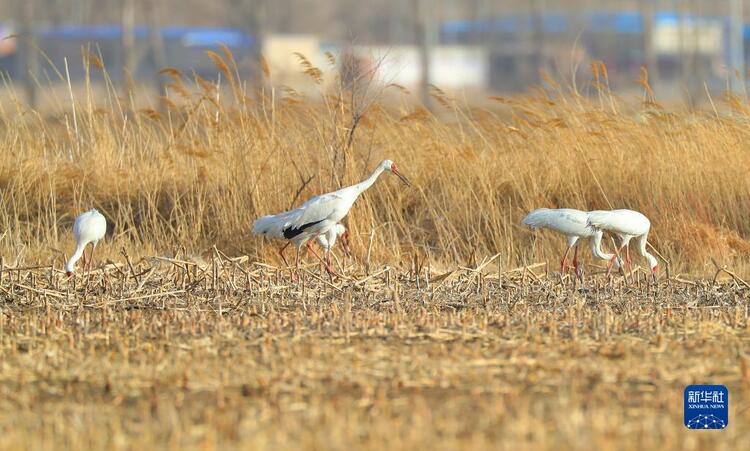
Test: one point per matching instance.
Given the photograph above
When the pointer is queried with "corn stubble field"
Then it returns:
(447, 329)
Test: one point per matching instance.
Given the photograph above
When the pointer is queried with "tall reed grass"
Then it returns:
(194, 170)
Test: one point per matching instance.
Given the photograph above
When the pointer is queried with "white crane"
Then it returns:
(319, 214)
(626, 224)
(89, 227)
(272, 226)
(328, 240)
(574, 225)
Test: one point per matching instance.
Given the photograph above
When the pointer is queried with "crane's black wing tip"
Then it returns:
(293, 232)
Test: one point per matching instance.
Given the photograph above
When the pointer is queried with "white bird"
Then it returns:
(626, 224)
(272, 226)
(89, 227)
(328, 240)
(574, 225)
(319, 214)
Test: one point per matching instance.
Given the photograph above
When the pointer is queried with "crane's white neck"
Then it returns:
(360, 187)
(331, 238)
(652, 261)
(596, 249)
(71, 263)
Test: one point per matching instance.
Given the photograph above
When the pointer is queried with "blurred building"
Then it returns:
(452, 67)
(519, 46)
(493, 51)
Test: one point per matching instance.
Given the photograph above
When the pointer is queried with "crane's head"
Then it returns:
(69, 269)
(389, 165)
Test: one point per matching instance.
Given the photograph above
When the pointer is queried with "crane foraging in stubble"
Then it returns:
(328, 240)
(320, 214)
(574, 225)
(626, 224)
(89, 227)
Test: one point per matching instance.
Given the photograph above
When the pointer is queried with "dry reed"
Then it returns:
(198, 173)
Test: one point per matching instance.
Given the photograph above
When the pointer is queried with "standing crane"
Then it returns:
(272, 226)
(319, 214)
(574, 225)
(89, 227)
(626, 225)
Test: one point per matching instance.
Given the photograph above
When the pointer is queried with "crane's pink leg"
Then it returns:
(310, 248)
(627, 257)
(85, 261)
(611, 264)
(577, 265)
(281, 253)
(295, 275)
(91, 258)
(329, 266)
(562, 262)
(624, 261)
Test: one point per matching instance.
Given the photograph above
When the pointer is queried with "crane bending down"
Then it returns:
(574, 225)
(319, 214)
(626, 224)
(89, 227)
(328, 240)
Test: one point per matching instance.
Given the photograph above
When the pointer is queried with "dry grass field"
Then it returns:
(190, 334)
(234, 354)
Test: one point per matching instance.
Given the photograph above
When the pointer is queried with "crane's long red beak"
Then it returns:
(401, 176)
